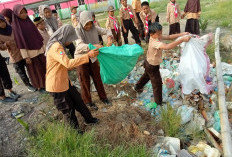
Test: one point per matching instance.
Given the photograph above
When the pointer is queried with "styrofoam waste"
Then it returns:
(202, 149)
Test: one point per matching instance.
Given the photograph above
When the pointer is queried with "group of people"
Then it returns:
(39, 47)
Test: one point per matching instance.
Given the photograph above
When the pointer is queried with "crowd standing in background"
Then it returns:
(39, 47)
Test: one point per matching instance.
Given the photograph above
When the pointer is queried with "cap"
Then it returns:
(111, 8)
(73, 7)
(38, 20)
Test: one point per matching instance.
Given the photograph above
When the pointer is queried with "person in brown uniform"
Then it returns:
(88, 33)
(136, 5)
(30, 43)
(7, 42)
(193, 11)
(154, 59)
(113, 24)
(147, 16)
(74, 18)
(66, 97)
(128, 22)
(173, 17)
(40, 24)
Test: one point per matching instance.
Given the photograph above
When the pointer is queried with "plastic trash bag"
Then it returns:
(195, 65)
(116, 62)
(186, 113)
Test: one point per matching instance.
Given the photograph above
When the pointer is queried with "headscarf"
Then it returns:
(90, 36)
(7, 13)
(192, 6)
(64, 34)
(5, 31)
(51, 22)
(26, 34)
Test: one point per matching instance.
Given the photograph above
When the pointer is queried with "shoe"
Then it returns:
(43, 91)
(31, 89)
(14, 95)
(7, 99)
(7, 60)
(139, 91)
(93, 106)
(92, 121)
(106, 102)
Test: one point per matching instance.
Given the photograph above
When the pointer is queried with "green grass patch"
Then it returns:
(170, 121)
(58, 140)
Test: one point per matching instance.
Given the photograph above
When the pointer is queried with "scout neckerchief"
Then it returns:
(130, 12)
(146, 22)
(175, 9)
(115, 23)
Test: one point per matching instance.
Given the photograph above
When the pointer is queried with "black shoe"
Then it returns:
(80, 132)
(93, 106)
(31, 89)
(139, 91)
(106, 102)
(92, 121)
(7, 60)
(8, 99)
(43, 91)
(14, 95)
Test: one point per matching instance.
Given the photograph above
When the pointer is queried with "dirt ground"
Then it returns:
(118, 118)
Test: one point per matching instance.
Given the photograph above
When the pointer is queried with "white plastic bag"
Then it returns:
(194, 65)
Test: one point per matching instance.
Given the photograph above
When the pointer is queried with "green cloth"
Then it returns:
(116, 62)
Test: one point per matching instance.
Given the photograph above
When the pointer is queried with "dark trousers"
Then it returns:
(192, 26)
(20, 69)
(93, 70)
(5, 80)
(69, 101)
(174, 28)
(71, 48)
(129, 25)
(140, 25)
(117, 37)
(152, 73)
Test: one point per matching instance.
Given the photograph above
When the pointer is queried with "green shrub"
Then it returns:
(170, 121)
(203, 24)
(58, 140)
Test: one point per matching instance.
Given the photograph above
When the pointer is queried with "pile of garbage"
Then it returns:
(196, 110)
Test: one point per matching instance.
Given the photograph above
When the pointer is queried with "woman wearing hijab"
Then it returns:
(30, 43)
(87, 33)
(7, 42)
(66, 97)
(192, 11)
(7, 13)
(52, 24)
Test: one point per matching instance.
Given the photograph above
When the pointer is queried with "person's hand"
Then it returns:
(109, 44)
(98, 46)
(93, 53)
(124, 30)
(28, 60)
(184, 33)
(182, 16)
(186, 39)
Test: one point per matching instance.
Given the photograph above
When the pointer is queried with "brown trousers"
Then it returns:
(93, 70)
(117, 37)
(152, 73)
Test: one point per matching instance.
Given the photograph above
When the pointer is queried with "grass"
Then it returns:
(58, 140)
(170, 121)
